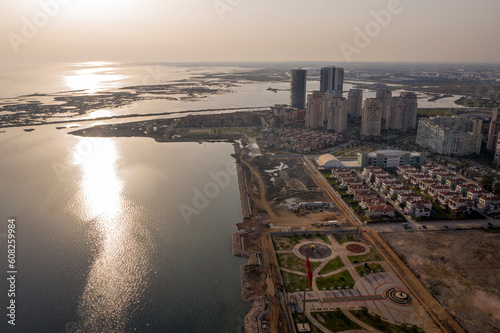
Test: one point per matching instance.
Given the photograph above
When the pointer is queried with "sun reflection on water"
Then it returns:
(118, 274)
(95, 78)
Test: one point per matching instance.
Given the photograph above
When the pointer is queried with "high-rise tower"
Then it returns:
(371, 117)
(332, 81)
(298, 89)
(355, 98)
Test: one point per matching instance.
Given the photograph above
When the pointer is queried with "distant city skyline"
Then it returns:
(457, 31)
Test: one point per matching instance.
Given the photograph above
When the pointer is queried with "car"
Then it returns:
(446, 227)
(425, 227)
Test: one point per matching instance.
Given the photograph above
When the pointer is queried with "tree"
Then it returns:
(486, 182)
(496, 188)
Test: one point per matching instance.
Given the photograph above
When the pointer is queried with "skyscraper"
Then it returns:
(332, 81)
(371, 117)
(298, 89)
(494, 129)
(385, 96)
(355, 98)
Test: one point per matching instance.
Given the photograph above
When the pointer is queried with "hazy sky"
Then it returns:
(250, 30)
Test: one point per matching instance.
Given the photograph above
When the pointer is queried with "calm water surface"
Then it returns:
(102, 244)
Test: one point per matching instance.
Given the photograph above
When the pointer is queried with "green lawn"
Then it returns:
(291, 261)
(297, 239)
(361, 269)
(287, 243)
(370, 256)
(283, 243)
(293, 281)
(435, 112)
(378, 323)
(341, 240)
(342, 280)
(335, 321)
(332, 265)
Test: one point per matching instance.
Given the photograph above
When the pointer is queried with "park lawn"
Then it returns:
(283, 243)
(332, 265)
(324, 238)
(344, 239)
(378, 323)
(291, 261)
(342, 280)
(293, 281)
(370, 256)
(287, 243)
(335, 321)
(362, 270)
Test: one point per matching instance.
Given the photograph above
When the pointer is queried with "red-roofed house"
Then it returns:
(476, 194)
(378, 211)
(435, 189)
(464, 188)
(461, 205)
(360, 193)
(357, 187)
(418, 208)
(426, 183)
(489, 204)
(366, 202)
(453, 182)
(366, 171)
(395, 190)
(444, 196)
(404, 197)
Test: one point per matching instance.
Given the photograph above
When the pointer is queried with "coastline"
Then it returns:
(253, 319)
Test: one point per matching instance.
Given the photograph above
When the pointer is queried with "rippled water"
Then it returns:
(102, 243)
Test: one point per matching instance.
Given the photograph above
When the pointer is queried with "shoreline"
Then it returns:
(252, 321)
(137, 115)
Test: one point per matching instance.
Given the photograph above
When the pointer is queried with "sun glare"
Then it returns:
(93, 80)
(100, 184)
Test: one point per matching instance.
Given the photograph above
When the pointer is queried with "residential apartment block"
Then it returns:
(459, 136)
(355, 99)
(371, 117)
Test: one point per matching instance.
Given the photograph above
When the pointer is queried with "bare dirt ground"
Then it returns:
(292, 181)
(461, 269)
(266, 199)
